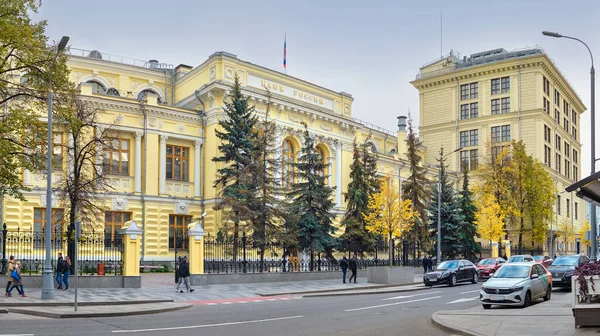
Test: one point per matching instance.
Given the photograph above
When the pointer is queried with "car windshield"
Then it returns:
(509, 271)
(566, 261)
(487, 262)
(538, 258)
(448, 264)
(515, 259)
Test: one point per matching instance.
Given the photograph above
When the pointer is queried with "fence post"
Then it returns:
(244, 249)
(495, 250)
(507, 248)
(131, 249)
(4, 262)
(196, 247)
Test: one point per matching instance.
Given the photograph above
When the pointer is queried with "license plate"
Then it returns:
(496, 298)
(555, 280)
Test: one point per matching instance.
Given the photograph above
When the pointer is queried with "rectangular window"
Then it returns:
(474, 90)
(505, 84)
(546, 106)
(558, 205)
(566, 125)
(474, 137)
(116, 157)
(474, 110)
(495, 106)
(573, 117)
(575, 173)
(113, 222)
(567, 150)
(547, 154)
(575, 156)
(568, 208)
(556, 98)
(464, 139)
(566, 108)
(547, 134)
(177, 228)
(557, 162)
(557, 140)
(576, 210)
(39, 226)
(574, 132)
(177, 163)
(464, 111)
(464, 160)
(495, 86)
(505, 133)
(464, 92)
(474, 156)
(567, 169)
(556, 115)
(506, 105)
(57, 149)
(546, 85)
(496, 134)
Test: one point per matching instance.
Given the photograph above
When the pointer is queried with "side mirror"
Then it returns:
(535, 276)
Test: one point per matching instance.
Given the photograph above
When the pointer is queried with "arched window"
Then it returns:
(323, 159)
(288, 159)
(142, 95)
(97, 88)
(113, 92)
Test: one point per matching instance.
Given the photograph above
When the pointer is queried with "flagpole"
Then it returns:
(285, 53)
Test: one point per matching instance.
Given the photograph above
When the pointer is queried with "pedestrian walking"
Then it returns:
(353, 267)
(10, 268)
(425, 264)
(344, 267)
(184, 276)
(17, 282)
(66, 272)
(60, 266)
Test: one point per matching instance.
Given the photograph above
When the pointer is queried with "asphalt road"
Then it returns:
(407, 313)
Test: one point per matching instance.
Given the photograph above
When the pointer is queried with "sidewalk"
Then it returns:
(544, 318)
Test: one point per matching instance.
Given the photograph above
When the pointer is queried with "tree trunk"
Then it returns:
(390, 249)
(71, 232)
(521, 229)
(236, 237)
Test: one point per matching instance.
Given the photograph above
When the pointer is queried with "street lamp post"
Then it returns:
(439, 205)
(593, 135)
(47, 280)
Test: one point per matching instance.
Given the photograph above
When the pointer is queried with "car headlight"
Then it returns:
(445, 274)
(517, 289)
(569, 273)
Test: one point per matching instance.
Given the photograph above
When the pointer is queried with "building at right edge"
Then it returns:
(489, 98)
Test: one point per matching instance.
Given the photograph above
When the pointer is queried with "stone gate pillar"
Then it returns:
(132, 240)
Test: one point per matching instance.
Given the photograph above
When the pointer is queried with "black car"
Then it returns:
(451, 272)
(563, 267)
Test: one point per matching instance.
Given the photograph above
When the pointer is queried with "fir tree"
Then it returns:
(468, 231)
(312, 201)
(369, 159)
(356, 238)
(415, 190)
(451, 217)
(238, 145)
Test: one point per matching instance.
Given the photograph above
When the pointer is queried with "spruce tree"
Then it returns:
(415, 190)
(369, 159)
(237, 148)
(451, 217)
(356, 238)
(468, 231)
(312, 201)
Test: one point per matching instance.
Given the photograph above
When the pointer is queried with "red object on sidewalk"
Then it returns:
(100, 269)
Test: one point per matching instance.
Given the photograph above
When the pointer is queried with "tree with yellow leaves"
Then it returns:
(489, 218)
(582, 231)
(389, 214)
(566, 232)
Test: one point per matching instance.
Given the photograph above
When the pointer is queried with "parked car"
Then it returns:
(516, 284)
(488, 266)
(542, 259)
(520, 258)
(562, 269)
(452, 272)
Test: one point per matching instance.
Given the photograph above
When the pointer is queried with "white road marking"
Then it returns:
(409, 296)
(211, 304)
(473, 291)
(392, 304)
(242, 302)
(209, 325)
(16, 334)
(463, 300)
(228, 302)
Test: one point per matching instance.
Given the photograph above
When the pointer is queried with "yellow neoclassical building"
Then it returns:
(489, 98)
(164, 119)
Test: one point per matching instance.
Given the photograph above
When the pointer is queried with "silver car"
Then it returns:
(516, 284)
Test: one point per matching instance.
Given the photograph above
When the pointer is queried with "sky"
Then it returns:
(370, 49)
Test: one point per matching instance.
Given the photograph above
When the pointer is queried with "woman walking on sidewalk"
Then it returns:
(17, 280)
(66, 272)
(11, 267)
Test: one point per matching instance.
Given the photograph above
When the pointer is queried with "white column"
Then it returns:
(338, 174)
(99, 154)
(138, 162)
(163, 164)
(197, 181)
(26, 174)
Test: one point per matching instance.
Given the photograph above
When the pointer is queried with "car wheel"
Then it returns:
(475, 278)
(548, 293)
(487, 306)
(452, 282)
(527, 301)
(428, 284)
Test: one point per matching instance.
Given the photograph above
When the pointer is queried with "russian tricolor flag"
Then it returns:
(284, 52)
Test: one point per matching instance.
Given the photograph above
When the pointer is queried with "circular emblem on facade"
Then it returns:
(497, 291)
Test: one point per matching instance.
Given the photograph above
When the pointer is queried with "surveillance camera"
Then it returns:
(204, 215)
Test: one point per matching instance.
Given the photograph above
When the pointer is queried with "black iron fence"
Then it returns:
(97, 253)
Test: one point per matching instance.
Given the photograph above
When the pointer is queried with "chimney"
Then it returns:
(402, 137)
(401, 123)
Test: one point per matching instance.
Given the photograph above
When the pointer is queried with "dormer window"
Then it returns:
(142, 95)
(97, 88)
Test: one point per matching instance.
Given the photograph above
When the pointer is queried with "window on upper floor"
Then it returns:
(505, 133)
(505, 84)
(558, 202)
(573, 117)
(557, 162)
(566, 108)
(474, 90)
(546, 84)
(142, 95)
(57, 149)
(547, 156)
(575, 156)
(474, 110)
(97, 88)
(113, 92)
(506, 105)
(567, 169)
(547, 134)
(469, 138)
(496, 134)
(288, 155)
(575, 173)
(464, 111)
(556, 115)
(574, 132)
(464, 92)
(556, 98)
(557, 142)
(113, 222)
(495, 106)
(469, 91)
(566, 124)
(469, 160)
(177, 163)
(546, 106)
(567, 150)
(116, 157)
(495, 86)
(576, 211)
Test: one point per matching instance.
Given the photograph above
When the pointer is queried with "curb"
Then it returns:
(317, 295)
(70, 304)
(3, 311)
(436, 321)
(93, 315)
(339, 289)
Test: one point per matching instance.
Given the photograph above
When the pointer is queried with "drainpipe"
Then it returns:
(519, 100)
(203, 123)
(458, 116)
(143, 194)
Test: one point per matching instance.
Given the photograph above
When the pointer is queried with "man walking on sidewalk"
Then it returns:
(184, 276)
(353, 268)
(60, 267)
(344, 267)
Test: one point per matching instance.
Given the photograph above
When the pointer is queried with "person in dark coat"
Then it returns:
(425, 264)
(184, 276)
(344, 267)
(60, 267)
(353, 268)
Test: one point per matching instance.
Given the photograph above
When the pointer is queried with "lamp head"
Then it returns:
(552, 34)
(63, 43)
